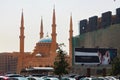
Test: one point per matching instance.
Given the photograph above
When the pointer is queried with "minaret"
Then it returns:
(70, 39)
(41, 29)
(22, 34)
(21, 55)
(54, 46)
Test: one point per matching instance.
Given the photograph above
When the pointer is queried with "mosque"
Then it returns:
(44, 52)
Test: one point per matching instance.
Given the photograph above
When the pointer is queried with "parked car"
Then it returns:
(16, 77)
(110, 78)
(34, 78)
(78, 77)
(68, 78)
(13, 75)
(3, 78)
(90, 78)
(51, 78)
(73, 75)
(19, 78)
(37, 75)
(6, 78)
(103, 78)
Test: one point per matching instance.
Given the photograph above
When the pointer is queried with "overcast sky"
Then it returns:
(10, 17)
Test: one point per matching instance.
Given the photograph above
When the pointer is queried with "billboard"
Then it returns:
(88, 56)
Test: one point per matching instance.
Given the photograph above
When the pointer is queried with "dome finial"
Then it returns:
(46, 39)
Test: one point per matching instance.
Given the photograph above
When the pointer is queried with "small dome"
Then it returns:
(38, 54)
(45, 40)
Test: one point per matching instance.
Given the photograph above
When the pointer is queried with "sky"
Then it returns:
(10, 17)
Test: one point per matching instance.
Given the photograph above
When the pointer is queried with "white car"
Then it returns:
(34, 78)
(68, 78)
(110, 78)
(89, 78)
(51, 78)
(16, 77)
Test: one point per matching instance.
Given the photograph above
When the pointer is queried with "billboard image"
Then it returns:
(102, 56)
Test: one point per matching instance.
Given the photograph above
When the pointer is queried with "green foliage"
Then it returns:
(116, 66)
(61, 64)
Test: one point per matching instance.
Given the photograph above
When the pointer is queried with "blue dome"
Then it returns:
(45, 40)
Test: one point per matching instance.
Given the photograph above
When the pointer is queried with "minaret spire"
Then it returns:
(41, 29)
(53, 34)
(54, 17)
(54, 27)
(71, 24)
(70, 39)
(22, 34)
(21, 55)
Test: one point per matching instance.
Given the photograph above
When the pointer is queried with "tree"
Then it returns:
(116, 66)
(61, 65)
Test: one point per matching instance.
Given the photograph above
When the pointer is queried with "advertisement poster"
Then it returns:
(102, 56)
